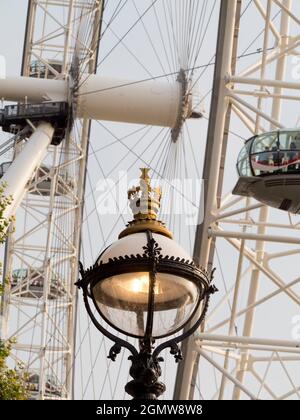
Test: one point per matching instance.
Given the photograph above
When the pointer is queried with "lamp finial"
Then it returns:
(144, 201)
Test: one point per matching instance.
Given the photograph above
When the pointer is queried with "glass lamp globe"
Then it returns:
(123, 298)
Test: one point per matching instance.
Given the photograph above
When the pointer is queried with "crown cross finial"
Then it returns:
(144, 200)
(145, 175)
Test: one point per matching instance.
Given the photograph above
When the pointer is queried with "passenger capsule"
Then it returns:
(269, 170)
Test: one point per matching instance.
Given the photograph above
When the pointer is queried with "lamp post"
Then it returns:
(145, 286)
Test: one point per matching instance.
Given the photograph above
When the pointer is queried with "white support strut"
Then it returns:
(23, 167)
(29, 89)
(148, 102)
(219, 108)
(201, 337)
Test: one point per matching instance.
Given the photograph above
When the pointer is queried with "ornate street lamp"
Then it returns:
(145, 286)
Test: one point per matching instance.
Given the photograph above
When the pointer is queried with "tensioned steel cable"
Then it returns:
(121, 39)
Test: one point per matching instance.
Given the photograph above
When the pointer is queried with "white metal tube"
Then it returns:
(251, 256)
(229, 201)
(254, 304)
(263, 12)
(245, 347)
(253, 223)
(252, 108)
(272, 56)
(68, 35)
(253, 236)
(286, 6)
(265, 94)
(33, 89)
(47, 275)
(264, 82)
(263, 359)
(234, 305)
(149, 102)
(245, 117)
(24, 165)
(227, 374)
(263, 63)
(282, 62)
(287, 395)
(248, 340)
(221, 216)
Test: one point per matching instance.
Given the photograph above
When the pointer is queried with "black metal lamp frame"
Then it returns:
(145, 369)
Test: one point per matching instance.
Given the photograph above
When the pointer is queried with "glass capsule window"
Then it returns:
(264, 142)
(289, 140)
(271, 153)
(243, 165)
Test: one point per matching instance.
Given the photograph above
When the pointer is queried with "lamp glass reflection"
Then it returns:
(123, 301)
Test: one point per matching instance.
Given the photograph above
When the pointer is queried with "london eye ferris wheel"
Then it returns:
(202, 93)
